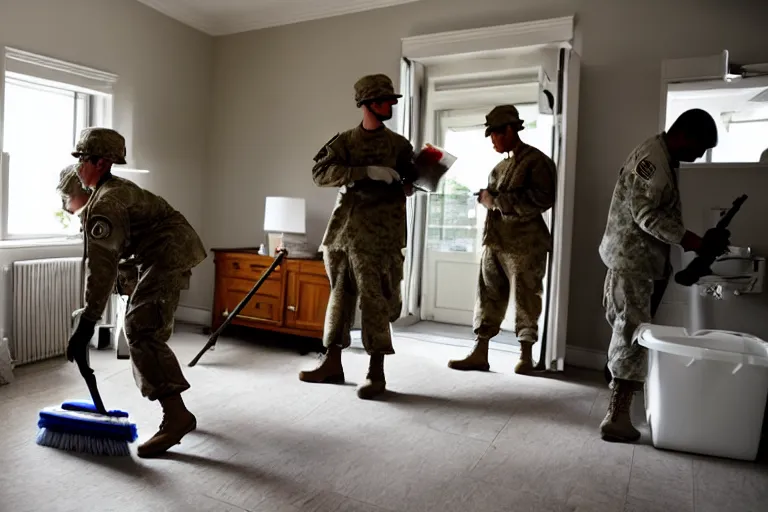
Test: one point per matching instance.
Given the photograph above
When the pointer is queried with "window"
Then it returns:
(739, 108)
(455, 219)
(45, 108)
(39, 151)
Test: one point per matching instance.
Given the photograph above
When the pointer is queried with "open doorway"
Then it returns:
(455, 220)
(447, 94)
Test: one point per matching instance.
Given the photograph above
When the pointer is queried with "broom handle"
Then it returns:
(215, 336)
(90, 380)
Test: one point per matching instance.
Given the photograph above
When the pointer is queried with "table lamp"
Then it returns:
(284, 221)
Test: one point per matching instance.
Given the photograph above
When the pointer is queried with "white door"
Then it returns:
(454, 217)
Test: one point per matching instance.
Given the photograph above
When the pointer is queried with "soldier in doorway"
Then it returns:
(123, 220)
(516, 241)
(644, 221)
(364, 241)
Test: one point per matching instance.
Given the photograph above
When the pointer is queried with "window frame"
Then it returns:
(35, 69)
(713, 71)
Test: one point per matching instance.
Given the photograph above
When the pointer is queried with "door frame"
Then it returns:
(485, 47)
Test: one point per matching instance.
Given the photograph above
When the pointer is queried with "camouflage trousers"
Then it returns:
(375, 280)
(149, 322)
(629, 301)
(501, 273)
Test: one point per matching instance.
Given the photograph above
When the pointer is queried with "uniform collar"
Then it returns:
(674, 164)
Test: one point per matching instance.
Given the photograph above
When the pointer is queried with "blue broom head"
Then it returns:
(76, 426)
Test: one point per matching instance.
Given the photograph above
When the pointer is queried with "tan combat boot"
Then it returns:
(177, 422)
(525, 365)
(375, 383)
(617, 424)
(477, 360)
(329, 371)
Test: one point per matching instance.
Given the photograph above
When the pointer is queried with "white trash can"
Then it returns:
(705, 392)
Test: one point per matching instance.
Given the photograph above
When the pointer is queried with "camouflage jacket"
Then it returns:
(644, 217)
(369, 215)
(523, 187)
(122, 221)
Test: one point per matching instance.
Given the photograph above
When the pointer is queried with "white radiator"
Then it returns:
(45, 293)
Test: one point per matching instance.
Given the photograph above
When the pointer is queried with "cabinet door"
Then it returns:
(306, 301)
(264, 306)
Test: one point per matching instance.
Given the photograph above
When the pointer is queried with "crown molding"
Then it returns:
(316, 12)
(182, 12)
(262, 18)
(489, 39)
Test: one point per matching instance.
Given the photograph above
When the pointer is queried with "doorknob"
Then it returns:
(292, 308)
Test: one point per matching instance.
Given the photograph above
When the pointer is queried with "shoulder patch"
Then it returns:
(99, 227)
(324, 150)
(645, 169)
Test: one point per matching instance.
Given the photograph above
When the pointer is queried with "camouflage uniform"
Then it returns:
(644, 221)
(123, 220)
(70, 187)
(516, 241)
(364, 241)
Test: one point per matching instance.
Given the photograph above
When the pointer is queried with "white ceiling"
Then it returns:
(222, 17)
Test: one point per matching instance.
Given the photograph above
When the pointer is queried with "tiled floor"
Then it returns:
(440, 441)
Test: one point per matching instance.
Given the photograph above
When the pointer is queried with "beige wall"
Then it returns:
(280, 94)
(163, 95)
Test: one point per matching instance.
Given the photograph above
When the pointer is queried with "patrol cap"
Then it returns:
(69, 182)
(103, 142)
(374, 87)
(501, 116)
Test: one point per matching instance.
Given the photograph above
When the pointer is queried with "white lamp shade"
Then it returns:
(285, 215)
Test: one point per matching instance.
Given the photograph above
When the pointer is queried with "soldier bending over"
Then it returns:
(123, 220)
(644, 221)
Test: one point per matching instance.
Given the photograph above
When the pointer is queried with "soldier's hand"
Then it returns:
(78, 342)
(408, 188)
(716, 241)
(485, 198)
(385, 174)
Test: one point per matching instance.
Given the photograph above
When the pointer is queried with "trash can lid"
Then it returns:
(719, 345)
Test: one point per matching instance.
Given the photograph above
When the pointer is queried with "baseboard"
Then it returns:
(585, 358)
(192, 315)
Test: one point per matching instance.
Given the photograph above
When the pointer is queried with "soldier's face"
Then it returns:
(90, 170)
(502, 139)
(75, 203)
(383, 109)
(692, 152)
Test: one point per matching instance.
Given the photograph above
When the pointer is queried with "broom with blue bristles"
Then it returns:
(86, 427)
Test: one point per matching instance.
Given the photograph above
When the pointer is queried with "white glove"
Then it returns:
(385, 174)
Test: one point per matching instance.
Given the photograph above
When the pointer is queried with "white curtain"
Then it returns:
(412, 85)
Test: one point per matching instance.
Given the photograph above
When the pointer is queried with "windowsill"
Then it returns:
(41, 242)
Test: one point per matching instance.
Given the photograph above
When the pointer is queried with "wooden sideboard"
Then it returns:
(292, 300)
